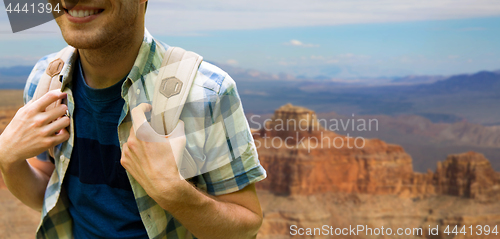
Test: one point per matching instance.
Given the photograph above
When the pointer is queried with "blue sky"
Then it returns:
(339, 39)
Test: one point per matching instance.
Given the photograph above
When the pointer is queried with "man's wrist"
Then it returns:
(180, 193)
(7, 159)
(8, 163)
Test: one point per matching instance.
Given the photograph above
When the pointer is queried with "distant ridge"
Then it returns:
(14, 77)
(482, 81)
(418, 79)
(15, 71)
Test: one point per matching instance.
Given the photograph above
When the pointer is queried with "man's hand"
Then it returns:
(34, 130)
(151, 158)
(152, 162)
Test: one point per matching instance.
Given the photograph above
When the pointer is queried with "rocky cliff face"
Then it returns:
(471, 134)
(317, 177)
(469, 175)
(303, 158)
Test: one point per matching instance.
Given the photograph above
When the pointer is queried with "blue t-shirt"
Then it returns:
(102, 204)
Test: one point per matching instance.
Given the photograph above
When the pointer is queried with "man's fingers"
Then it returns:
(124, 152)
(132, 132)
(60, 138)
(141, 128)
(55, 113)
(57, 125)
(145, 107)
(47, 99)
(138, 116)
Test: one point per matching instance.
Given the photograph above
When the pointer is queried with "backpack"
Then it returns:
(178, 70)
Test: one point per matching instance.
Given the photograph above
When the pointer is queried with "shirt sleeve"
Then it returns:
(234, 141)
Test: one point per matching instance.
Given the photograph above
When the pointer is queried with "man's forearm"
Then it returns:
(26, 183)
(208, 217)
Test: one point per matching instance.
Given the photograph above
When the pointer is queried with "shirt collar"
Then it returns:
(143, 64)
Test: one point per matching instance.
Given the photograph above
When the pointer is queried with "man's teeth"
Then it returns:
(82, 13)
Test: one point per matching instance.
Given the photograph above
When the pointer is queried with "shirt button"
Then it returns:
(138, 91)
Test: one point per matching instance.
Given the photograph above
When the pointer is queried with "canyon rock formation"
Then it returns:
(302, 157)
(317, 177)
(469, 175)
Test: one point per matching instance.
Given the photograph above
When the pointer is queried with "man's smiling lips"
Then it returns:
(81, 14)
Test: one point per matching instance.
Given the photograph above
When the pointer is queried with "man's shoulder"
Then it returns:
(212, 78)
(209, 76)
(36, 74)
(43, 62)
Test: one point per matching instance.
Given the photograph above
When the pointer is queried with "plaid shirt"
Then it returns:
(210, 83)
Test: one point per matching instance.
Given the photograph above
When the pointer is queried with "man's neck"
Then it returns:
(106, 66)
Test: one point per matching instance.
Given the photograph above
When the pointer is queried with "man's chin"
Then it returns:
(83, 41)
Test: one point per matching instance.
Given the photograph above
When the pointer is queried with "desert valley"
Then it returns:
(374, 185)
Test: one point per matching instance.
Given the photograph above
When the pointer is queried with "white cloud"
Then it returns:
(287, 63)
(189, 16)
(299, 43)
(232, 62)
(347, 58)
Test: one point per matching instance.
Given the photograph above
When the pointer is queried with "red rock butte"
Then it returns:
(294, 166)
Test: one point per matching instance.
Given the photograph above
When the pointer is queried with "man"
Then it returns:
(84, 192)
